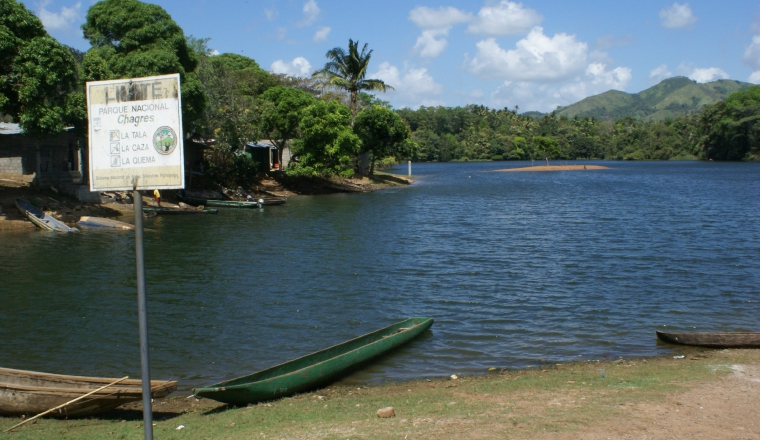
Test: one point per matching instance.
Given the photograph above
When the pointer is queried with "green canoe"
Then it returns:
(215, 203)
(177, 211)
(311, 371)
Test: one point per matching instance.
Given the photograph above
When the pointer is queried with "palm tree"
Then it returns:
(347, 71)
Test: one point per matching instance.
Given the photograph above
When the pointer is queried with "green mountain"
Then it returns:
(673, 97)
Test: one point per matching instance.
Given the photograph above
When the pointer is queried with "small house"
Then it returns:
(266, 155)
(59, 160)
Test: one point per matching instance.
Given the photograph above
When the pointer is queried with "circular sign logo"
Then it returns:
(165, 140)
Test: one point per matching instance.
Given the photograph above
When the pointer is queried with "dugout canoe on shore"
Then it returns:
(42, 220)
(177, 211)
(713, 339)
(274, 200)
(216, 203)
(31, 392)
(100, 222)
(316, 369)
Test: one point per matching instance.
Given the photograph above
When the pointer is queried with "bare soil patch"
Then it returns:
(725, 408)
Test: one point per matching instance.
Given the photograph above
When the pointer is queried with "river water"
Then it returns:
(518, 269)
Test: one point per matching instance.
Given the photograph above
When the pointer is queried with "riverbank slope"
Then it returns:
(706, 394)
(69, 210)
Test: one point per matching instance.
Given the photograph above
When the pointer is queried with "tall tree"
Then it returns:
(548, 147)
(232, 84)
(383, 133)
(347, 70)
(327, 144)
(38, 75)
(134, 39)
(281, 114)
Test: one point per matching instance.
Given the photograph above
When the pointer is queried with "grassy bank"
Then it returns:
(503, 404)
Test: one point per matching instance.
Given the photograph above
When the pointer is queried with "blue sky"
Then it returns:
(533, 54)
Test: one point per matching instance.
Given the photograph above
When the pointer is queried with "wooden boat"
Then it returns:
(713, 339)
(274, 200)
(100, 222)
(311, 371)
(31, 392)
(176, 211)
(42, 220)
(215, 203)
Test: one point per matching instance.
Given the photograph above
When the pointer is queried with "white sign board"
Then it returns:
(135, 134)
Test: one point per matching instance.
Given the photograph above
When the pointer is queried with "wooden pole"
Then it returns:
(67, 403)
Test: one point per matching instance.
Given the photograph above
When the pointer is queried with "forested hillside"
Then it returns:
(726, 130)
(670, 98)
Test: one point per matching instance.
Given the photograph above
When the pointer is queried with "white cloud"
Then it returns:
(435, 25)
(66, 20)
(321, 34)
(299, 66)
(707, 74)
(504, 18)
(310, 13)
(412, 89)
(677, 16)
(495, 19)
(617, 78)
(529, 96)
(428, 45)
(752, 53)
(701, 74)
(443, 17)
(535, 58)
(660, 73)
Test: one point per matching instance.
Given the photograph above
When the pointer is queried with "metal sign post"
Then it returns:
(142, 309)
(135, 136)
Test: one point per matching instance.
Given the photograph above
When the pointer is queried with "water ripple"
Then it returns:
(518, 269)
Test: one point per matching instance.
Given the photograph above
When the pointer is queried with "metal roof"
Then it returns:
(12, 128)
(264, 143)
(8, 128)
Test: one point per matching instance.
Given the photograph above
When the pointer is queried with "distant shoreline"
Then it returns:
(556, 168)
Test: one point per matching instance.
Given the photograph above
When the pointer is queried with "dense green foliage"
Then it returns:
(671, 98)
(726, 130)
(327, 144)
(281, 114)
(131, 39)
(231, 84)
(730, 129)
(38, 75)
(479, 133)
(231, 168)
(383, 134)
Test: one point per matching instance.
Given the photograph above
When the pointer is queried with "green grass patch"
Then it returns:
(565, 398)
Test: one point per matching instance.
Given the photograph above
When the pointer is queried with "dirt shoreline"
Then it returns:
(705, 394)
(69, 210)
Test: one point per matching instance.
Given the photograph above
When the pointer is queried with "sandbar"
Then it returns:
(556, 168)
